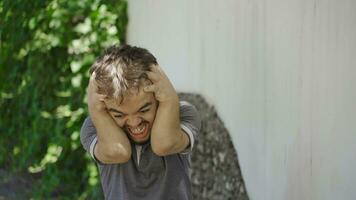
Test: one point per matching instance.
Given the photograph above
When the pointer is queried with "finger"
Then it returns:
(154, 77)
(101, 97)
(150, 88)
(154, 68)
(157, 69)
(93, 84)
(92, 78)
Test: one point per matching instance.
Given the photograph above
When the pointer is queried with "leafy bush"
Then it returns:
(46, 49)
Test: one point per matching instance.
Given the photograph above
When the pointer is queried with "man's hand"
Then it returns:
(113, 145)
(161, 86)
(166, 135)
(96, 103)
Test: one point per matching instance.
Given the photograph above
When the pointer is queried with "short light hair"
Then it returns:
(121, 68)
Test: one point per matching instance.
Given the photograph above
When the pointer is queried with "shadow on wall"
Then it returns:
(216, 170)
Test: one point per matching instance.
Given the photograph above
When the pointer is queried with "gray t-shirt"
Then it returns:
(146, 175)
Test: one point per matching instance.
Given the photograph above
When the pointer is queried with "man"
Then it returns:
(138, 132)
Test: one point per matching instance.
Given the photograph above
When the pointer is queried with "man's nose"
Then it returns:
(133, 121)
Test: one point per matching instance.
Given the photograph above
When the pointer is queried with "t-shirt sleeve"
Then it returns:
(190, 123)
(88, 137)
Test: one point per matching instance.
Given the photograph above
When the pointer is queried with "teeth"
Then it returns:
(138, 129)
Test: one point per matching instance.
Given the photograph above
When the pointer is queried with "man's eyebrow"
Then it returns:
(145, 106)
(114, 110)
(142, 107)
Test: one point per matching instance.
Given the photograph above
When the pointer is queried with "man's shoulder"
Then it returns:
(185, 106)
(189, 113)
(183, 103)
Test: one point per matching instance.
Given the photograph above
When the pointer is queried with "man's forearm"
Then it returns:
(166, 131)
(113, 145)
(166, 135)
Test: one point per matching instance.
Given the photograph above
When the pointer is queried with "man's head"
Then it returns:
(121, 68)
(120, 74)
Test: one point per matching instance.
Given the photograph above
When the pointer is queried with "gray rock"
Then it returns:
(216, 171)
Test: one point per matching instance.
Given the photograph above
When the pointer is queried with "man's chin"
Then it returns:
(140, 142)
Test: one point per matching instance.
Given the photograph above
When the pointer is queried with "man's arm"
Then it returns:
(112, 144)
(166, 135)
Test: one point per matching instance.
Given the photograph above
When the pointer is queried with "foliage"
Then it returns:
(46, 49)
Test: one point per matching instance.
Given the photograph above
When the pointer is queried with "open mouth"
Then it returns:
(138, 132)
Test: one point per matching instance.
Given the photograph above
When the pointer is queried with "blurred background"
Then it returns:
(274, 78)
(47, 48)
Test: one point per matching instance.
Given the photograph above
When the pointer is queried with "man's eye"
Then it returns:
(143, 111)
(118, 116)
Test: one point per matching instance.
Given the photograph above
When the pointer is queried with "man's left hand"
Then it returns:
(161, 86)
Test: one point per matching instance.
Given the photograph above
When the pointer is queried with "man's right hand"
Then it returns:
(95, 100)
(113, 145)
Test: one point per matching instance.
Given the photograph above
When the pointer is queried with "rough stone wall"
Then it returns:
(216, 172)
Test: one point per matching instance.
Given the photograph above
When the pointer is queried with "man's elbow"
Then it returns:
(163, 148)
(115, 155)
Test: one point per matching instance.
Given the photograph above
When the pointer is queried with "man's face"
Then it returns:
(135, 115)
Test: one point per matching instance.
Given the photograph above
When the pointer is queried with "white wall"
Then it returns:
(282, 75)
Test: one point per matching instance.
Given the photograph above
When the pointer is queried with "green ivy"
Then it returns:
(46, 49)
